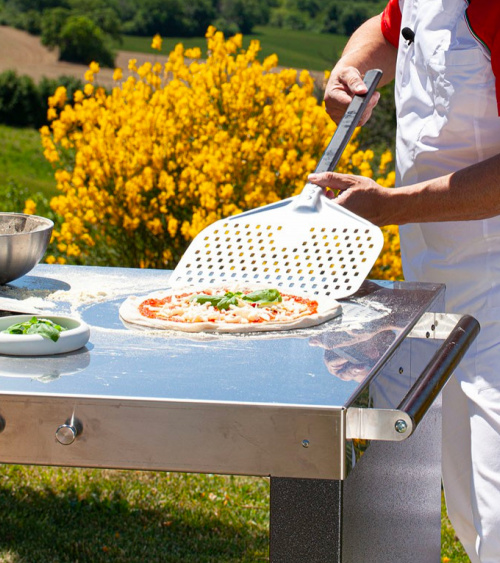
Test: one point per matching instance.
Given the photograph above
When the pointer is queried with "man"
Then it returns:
(447, 86)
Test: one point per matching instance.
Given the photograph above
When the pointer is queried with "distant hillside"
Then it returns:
(24, 53)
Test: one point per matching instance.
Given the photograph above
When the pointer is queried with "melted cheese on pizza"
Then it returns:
(183, 308)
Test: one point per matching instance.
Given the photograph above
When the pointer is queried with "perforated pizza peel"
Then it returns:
(306, 243)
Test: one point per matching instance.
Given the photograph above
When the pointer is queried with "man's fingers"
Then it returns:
(369, 109)
(323, 180)
(331, 180)
(340, 90)
(351, 77)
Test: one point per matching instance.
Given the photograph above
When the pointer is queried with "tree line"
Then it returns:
(86, 30)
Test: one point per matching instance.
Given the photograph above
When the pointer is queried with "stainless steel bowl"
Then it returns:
(23, 242)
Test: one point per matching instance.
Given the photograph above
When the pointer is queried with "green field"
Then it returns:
(22, 161)
(296, 49)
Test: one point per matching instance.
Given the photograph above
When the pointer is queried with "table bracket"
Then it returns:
(378, 424)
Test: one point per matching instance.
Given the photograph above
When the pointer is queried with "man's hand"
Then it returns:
(366, 49)
(344, 83)
(358, 194)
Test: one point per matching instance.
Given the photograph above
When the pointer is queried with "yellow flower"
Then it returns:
(173, 225)
(29, 207)
(144, 70)
(156, 43)
(78, 96)
(88, 89)
(59, 97)
(210, 31)
(270, 62)
(193, 53)
(117, 74)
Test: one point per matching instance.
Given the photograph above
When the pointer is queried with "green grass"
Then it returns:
(22, 161)
(56, 515)
(296, 49)
(451, 549)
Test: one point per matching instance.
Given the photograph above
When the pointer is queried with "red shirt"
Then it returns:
(483, 18)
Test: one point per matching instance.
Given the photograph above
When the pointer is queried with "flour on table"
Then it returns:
(82, 290)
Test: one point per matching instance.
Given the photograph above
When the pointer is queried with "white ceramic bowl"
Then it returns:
(74, 338)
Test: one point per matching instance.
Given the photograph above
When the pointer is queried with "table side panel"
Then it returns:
(175, 436)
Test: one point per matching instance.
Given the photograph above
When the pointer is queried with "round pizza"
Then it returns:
(227, 309)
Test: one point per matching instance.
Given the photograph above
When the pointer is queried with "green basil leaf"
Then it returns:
(44, 329)
(260, 297)
(263, 297)
(227, 300)
(221, 302)
(212, 299)
(15, 329)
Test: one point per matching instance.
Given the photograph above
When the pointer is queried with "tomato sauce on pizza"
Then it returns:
(242, 307)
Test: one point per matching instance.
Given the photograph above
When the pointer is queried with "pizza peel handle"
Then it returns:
(304, 244)
(343, 133)
(348, 123)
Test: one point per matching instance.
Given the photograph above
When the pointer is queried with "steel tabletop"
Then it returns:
(282, 368)
(283, 403)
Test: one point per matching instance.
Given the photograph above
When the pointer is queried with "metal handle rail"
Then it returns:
(439, 369)
(398, 424)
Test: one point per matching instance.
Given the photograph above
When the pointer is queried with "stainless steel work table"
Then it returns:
(325, 412)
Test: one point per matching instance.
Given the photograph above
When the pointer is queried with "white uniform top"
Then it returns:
(448, 119)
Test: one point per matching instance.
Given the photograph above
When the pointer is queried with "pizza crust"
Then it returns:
(129, 312)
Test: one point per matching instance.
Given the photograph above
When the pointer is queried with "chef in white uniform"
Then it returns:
(445, 58)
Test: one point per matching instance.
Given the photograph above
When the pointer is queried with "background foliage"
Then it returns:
(144, 168)
(24, 103)
(84, 30)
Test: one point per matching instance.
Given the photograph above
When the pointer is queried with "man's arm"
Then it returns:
(469, 194)
(366, 49)
(472, 193)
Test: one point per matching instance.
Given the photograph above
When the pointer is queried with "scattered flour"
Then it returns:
(76, 289)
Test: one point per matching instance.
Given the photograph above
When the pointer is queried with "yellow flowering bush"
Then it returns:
(143, 168)
(388, 265)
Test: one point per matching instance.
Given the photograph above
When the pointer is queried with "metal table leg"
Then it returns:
(388, 510)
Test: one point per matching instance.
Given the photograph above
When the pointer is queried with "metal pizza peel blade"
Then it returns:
(306, 243)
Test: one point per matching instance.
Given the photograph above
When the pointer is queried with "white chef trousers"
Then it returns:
(471, 467)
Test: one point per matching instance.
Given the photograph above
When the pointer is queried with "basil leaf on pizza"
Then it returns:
(262, 298)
